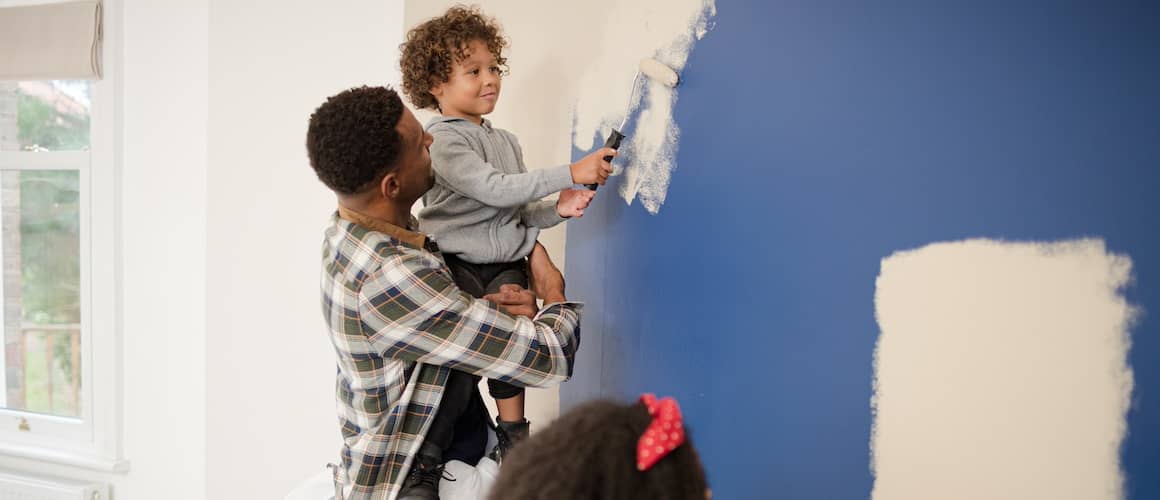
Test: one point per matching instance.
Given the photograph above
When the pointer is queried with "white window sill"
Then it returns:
(71, 459)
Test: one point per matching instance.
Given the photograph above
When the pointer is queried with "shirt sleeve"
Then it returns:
(412, 310)
(462, 169)
(541, 214)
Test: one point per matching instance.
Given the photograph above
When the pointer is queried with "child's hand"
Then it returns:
(592, 169)
(572, 202)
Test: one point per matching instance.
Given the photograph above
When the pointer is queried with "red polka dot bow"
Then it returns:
(664, 434)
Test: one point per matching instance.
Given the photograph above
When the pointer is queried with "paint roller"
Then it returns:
(651, 68)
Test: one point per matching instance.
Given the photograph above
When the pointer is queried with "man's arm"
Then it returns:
(412, 310)
(546, 279)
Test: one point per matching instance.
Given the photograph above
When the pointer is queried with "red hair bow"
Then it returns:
(664, 434)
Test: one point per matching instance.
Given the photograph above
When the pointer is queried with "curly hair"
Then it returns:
(433, 47)
(352, 141)
(590, 454)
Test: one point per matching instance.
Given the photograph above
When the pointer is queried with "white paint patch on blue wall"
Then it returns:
(665, 30)
(1001, 372)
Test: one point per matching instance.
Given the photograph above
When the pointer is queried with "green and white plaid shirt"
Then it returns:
(399, 325)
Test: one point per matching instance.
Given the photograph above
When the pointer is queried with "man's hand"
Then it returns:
(572, 202)
(514, 300)
(546, 279)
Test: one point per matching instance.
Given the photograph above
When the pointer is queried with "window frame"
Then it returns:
(94, 440)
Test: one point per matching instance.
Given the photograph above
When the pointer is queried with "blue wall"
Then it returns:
(818, 138)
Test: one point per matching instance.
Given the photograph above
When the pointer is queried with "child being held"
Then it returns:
(486, 209)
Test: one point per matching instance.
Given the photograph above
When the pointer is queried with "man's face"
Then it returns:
(414, 171)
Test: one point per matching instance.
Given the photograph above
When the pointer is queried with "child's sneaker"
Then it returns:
(509, 434)
(422, 482)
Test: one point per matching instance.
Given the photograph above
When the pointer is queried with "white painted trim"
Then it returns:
(39, 427)
(81, 460)
(106, 270)
(26, 3)
(47, 160)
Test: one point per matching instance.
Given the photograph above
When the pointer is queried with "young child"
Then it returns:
(607, 451)
(486, 209)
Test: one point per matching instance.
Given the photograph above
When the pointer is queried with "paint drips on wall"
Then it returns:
(664, 30)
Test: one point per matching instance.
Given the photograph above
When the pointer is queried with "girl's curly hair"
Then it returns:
(433, 47)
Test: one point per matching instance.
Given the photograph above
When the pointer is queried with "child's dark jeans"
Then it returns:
(482, 279)
(460, 427)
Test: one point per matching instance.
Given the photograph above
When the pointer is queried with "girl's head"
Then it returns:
(454, 63)
(592, 453)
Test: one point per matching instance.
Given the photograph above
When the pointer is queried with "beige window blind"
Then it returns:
(51, 41)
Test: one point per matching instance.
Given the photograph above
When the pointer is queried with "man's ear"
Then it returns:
(390, 187)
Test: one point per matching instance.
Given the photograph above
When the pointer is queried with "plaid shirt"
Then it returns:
(399, 325)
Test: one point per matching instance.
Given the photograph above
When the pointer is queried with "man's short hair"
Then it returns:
(351, 141)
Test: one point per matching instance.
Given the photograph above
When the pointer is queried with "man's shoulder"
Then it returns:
(364, 246)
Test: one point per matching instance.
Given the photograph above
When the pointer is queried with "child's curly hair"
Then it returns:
(433, 47)
(590, 454)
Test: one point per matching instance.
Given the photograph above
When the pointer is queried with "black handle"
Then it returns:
(613, 142)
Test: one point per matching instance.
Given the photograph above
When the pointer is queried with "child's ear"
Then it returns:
(436, 89)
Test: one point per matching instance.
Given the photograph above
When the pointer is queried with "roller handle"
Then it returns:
(613, 142)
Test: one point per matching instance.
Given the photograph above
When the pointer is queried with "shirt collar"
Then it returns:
(405, 235)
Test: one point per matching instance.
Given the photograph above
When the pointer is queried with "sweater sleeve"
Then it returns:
(541, 214)
(464, 171)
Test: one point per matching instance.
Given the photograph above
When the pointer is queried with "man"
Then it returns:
(410, 345)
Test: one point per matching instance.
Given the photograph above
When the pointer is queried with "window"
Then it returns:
(59, 372)
(40, 214)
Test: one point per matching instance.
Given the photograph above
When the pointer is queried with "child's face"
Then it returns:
(472, 89)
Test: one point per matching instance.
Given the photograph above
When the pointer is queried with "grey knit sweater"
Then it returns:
(485, 206)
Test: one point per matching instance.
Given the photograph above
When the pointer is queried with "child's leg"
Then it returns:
(466, 275)
(422, 481)
(479, 280)
(455, 402)
(510, 426)
(509, 399)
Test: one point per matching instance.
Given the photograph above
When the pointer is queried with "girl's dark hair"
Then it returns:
(590, 453)
(433, 47)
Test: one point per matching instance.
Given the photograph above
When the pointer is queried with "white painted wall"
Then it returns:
(545, 58)
(228, 374)
(270, 379)
(162, 183)
(163, 214)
